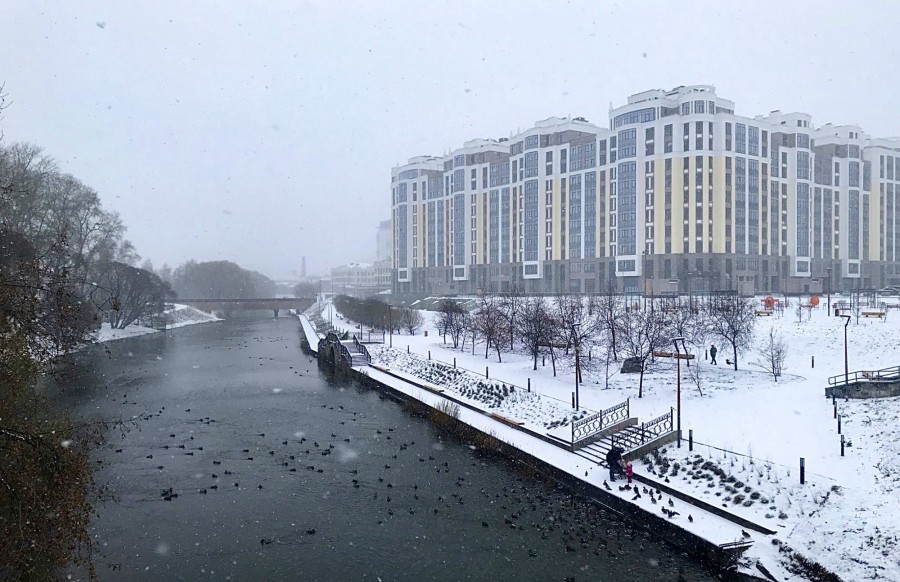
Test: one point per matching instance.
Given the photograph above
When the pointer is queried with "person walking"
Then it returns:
(712, 355)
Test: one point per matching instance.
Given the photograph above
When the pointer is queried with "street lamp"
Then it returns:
(678, 357)
(846, 361)
(575, 337)
(678, 367)
(828, 288)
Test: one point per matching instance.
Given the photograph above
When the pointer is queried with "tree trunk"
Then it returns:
(535, 360)
(734, 348)
(641, 382)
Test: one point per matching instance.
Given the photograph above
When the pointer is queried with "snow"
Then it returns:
(747, 427)
(178, 316)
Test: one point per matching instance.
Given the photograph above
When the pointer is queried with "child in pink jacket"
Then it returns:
(629, 471)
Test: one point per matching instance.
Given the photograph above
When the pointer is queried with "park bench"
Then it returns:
(760, 312)
(878, 314)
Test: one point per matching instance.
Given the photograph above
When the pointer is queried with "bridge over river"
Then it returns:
(273, 303)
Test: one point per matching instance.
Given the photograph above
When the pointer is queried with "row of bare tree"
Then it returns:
(379, 315)
(607, 325)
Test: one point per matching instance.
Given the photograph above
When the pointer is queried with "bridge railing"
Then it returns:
(361, 348)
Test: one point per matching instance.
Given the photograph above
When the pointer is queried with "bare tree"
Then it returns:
(773, 354)
(733, 319)
(511, 302)
(452, 320)
(411, 320)
(492, 324)
(685, 322)
(133, 294)
(642, 332)
(609, 309)
(533, 326)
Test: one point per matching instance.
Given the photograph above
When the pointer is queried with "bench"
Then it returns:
(760, 312)
(870, 375)
(878, 314)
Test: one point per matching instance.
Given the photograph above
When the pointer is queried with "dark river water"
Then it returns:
(283, 473)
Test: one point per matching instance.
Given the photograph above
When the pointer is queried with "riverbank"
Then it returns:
(705, 534)
(749, 430)
(177, 316)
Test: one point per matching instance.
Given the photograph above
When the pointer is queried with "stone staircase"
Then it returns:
(596, 451)
(357, 358)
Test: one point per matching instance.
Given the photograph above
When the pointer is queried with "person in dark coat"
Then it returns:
(614, 460)
(712, 355)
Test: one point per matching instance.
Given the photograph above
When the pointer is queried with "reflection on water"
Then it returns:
(254, 465)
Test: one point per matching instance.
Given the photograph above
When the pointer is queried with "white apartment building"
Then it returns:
(680, 193)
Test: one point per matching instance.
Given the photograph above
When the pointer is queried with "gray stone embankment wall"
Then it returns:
(862, 390)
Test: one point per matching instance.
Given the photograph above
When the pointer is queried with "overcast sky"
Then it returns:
(262, 131)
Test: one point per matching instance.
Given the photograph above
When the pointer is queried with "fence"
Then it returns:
(587, 427)
(865, 375)
(645, 432)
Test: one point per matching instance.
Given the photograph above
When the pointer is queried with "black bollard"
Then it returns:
(486, 375)
(802, 470)
(813, 361)
(429, 354)
(454, 362)
(573, 400)
(839, 424)
(529, 384)
(407, 349)
(842, 445)
(691, 439)
(835, 409)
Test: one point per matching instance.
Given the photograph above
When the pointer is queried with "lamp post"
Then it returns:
(575, 337)
(678, 381)
(846, 361)
(828, 288)
(390, 326)
(678, 355)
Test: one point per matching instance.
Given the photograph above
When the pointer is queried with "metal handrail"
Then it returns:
(588, 426)
(361, 348)
(646, 432)
(883, 374)
(345, 354)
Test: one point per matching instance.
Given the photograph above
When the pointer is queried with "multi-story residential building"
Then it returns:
(680, 194)
(383, 239)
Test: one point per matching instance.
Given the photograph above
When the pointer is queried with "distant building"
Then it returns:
(361, 277)
(679, 194)
(383, 241)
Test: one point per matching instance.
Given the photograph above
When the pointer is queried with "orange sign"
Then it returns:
(814, 300)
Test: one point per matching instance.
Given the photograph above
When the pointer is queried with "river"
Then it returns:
(251, 463)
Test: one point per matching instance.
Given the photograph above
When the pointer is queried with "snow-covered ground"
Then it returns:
(177, 316)
(749, 430)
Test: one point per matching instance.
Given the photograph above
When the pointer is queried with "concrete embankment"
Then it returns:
(721, 546)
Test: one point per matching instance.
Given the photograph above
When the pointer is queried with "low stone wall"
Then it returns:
(862, 390)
